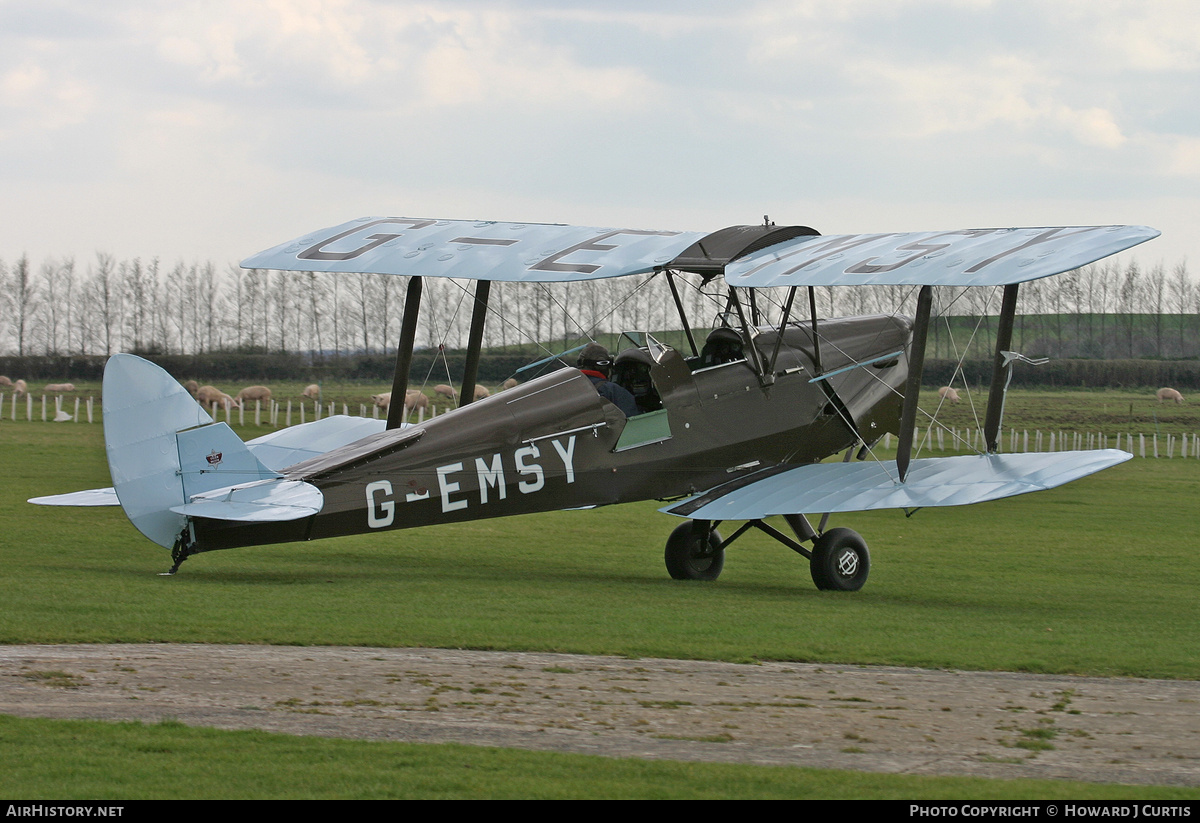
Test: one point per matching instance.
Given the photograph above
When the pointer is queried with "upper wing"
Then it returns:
(478, 250)
(970, 257)
(931, 481)
(549, 253)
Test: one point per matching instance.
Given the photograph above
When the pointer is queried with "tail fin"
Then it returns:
(157, 455)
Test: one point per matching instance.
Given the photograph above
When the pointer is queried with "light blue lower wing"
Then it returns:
(931, 481)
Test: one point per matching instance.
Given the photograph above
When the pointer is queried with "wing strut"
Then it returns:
(755, 355)
(912, 390)
(687, 327)
(783, 320)
(483, 289)
(812, 313)
(1001, 370)
(408, 336)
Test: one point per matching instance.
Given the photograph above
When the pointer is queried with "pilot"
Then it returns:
(723, 345)
(596, 364)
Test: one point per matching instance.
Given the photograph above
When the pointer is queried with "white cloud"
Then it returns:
(1092, 127)
(1146, 37)
(697, 111)
(34, 99)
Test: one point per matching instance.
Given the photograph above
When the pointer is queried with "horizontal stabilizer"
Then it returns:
(969, 257)
(90, 497)
(931, 481)
(267, 501)
(274, 451)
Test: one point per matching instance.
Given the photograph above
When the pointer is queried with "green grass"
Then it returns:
(77, 760)
(1098, 577)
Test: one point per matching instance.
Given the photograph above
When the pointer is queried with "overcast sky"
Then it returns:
(210, 130)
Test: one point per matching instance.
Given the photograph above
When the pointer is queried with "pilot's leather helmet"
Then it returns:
(595, 358)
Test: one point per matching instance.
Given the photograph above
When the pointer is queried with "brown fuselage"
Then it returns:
(554, 443)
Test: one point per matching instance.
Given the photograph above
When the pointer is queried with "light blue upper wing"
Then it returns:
(970, 257)
(477, 250)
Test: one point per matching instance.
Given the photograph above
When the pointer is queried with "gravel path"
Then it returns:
(903, 721)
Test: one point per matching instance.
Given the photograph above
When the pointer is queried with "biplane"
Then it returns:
(730, 428)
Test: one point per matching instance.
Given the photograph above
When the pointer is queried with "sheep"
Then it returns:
(58, 388)
(947, 393)
(254, 393)
(4, 381)
(482, 392)
(19, 388)
(207, 395)
(312, 392)
(415, 399)
(445, 391)
(192, 387)
(511, 382)
(1164, 395)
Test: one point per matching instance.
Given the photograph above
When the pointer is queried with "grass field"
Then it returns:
(1098, 577)
(129, 761)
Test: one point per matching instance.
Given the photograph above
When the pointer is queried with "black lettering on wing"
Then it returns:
(551, 263)
(315, 252)
(1044, 237)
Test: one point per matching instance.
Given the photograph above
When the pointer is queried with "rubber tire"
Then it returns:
(840, 561)
(686, 558)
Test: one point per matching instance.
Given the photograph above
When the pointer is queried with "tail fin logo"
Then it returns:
(213, 458)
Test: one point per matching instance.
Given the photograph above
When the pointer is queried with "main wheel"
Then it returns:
(840, 561)
(693, 555)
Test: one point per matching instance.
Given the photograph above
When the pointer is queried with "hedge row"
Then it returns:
(495, 368)
(265, 368)
(1090, 374)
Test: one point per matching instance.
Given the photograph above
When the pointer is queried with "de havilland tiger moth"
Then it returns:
(732, 428)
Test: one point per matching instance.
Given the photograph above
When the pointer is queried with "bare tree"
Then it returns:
(23, 299)
(139, 292)
(1181, 299)
(1130, 295)
(314, 308)
(1156, 295)
(56, 307)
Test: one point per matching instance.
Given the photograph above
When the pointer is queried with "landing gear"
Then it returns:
(694, 552)
(840, 561)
